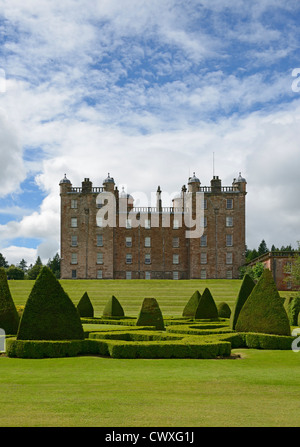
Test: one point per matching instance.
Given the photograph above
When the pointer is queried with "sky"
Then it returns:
(149, 91)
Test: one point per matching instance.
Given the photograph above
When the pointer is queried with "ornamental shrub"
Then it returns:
(113, 308)
(150, 314)
(207, 307)
(245, 290)
(49, 314)
(292, 308)
(263, 312)
(9, 317)
(85, 307)
(191, 306)
(224, 310)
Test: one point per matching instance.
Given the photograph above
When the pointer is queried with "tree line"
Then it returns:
(23, 271)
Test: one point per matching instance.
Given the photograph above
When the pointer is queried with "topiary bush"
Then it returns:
(150, 314)
(207, 308)
(246, 288)
(263, 312)
(224, 310)
(191, 306)
(292, 308)
(113, 308)
(9, 317)
(85, 307)
(49, 314)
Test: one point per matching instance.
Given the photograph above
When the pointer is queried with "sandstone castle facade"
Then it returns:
(202, 236)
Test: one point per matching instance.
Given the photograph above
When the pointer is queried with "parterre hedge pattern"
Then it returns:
(149, 336)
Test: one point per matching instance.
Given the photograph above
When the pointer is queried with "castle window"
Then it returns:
(74, 241)
(147, 275)
(203, 222)
(129, 258)
(128, 224)
(204, 204)
(99, 258)
(99, 274)
(175, 259)
(175, 224)
(147, 258)
(229, 274)
(203, 274)
(147, 224)
(203, 258)
(203, 240)
(99, 221)
(175, 242)
(74, 222)
(128, 241)
(175, 275)
(228, 258)
(74, 274)
(229, 240)
(147, 241)
(229, 221)
(128, 275)
(74, 258)
(99, 240)
(229, 204)
(73, 203)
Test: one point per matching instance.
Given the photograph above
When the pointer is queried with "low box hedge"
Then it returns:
(168, 349)
(36, 349)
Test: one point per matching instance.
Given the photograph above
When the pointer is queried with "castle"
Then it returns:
(104, 236)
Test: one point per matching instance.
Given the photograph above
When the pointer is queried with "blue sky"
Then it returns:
(148, 91)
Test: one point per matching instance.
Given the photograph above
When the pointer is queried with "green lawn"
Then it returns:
(171, 295)
(261, 389)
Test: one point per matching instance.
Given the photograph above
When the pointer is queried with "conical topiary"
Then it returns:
(150, 314)
(113, 308)
(49, 314)
(246, 288)
(9, 317)
(292, 308)
(224, 310)
(263, 312)
(85, 307)
(191, 306)
(207, 308)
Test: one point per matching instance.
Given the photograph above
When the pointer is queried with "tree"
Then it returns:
(263, 311)
(9, 318)
(54, 265)
(14, 273)
(207, 308)
(49, 313)
(191, 306)
(85, 307)
(23, 265)
(3, 262)
(246, 288)
(262, 249)
(34, 271)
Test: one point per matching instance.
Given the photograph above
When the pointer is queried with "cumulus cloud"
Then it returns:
(148, 92)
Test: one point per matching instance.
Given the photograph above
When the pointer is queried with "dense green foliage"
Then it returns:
(49, 314)
(113, 308)
(9, 318)
(224, 310)
(245, 290)
(85, 307)
(207, 307)
(191, 306)
(292, 308)
(263, 312)
(150, 314)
